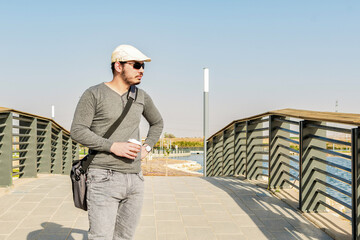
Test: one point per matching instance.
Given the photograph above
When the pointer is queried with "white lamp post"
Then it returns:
(206, 114)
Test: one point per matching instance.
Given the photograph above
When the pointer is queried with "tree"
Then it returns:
(169, 135)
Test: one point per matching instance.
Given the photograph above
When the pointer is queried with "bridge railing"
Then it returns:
(31, 144)
(314, 153)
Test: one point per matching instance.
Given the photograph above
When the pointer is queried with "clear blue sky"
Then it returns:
(262, 55)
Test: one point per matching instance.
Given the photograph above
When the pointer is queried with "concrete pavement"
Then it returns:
(190, 208)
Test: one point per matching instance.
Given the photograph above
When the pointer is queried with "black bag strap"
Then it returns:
(132, 94)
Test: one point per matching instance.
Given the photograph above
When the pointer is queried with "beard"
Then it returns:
(127, 79)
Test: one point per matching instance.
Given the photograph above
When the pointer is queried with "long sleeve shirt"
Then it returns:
(98, 108)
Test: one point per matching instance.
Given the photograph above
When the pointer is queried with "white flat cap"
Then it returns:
(124, 53)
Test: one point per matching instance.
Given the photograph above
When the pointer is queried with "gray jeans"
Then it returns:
(114, 203)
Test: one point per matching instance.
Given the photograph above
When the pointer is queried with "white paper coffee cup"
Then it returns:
(132, 140)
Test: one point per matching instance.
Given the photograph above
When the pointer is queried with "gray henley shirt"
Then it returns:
(98, 108)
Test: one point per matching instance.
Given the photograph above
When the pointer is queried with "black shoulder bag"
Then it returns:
(79, 167)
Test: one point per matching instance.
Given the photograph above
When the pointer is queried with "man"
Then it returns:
(115, 181)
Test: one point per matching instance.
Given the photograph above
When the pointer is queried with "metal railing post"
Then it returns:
(6, 149)
(67, 148)
(217, 157)
(254, 165)
(44, 146)
(228, 146)
(301, 153)
(29, 143)
(56, 150)
(246, 149)
(355, 147)
(278, 150)
(311, 189)
(270, 158)
(209, 159)
(74, 151)
(240, 149)
(222, 153)
(234, 149)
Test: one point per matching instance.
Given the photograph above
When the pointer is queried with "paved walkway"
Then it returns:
(174, 208)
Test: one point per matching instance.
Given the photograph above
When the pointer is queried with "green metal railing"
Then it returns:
(295, 149)
(31, 144)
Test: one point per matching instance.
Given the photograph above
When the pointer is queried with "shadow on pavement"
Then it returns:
(54, 231)
(272, 217)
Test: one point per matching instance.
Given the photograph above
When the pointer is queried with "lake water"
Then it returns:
(199, 158)
(338, 172)
(341, 161)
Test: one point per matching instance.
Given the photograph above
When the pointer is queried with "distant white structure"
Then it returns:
(336, 106)
(52, 112)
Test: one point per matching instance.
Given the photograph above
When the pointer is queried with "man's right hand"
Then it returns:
(125, 149)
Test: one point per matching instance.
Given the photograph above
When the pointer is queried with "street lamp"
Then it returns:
(206, 114)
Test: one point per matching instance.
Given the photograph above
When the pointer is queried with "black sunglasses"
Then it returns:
(136, 65)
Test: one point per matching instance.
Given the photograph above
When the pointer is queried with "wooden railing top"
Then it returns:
(3, 109)
(335, 117)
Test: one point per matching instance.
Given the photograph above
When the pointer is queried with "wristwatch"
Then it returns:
(147, 148)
